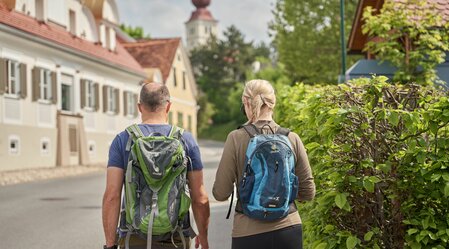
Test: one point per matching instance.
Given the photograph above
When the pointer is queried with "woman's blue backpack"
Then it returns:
(269, 184)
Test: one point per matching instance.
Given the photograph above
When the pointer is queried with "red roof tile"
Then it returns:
(58, 35)
(155, 53)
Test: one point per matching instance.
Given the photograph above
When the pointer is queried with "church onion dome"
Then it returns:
(201, 12)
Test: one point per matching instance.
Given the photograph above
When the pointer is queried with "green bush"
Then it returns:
(379, 154)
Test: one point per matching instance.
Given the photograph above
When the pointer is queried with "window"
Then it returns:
(184, 80)
(174, 77)
(90, 94)
(14, 145)
(170, 117)
(66, 97)
(72, 22)
(111, 99)
(180, 120)
(131, 109)
(108, 37)
(13, 82)
(192, 31)
(205, 29)
(45, 85)
(189, 123)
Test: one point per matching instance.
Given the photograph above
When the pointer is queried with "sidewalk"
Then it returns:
(29, 175)
(210, 153)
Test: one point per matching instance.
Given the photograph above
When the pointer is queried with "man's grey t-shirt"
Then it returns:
(118, 156)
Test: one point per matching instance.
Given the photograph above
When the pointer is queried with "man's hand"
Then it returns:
(198, 241)
(111, 203)
(200, 207)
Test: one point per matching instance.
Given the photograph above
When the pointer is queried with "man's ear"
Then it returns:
(139, 106)
(167, 109)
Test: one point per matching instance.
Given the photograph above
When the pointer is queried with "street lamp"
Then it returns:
(342, 77)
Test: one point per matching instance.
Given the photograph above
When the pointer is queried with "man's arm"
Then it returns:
(111, 203)
(200, 206)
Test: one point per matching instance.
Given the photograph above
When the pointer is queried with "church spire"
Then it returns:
(201, 25)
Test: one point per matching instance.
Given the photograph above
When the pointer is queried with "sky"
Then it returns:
(166, 18)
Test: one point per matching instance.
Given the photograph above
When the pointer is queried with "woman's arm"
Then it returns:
(227, 171)
(306, 190)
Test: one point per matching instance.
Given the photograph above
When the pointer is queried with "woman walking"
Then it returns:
(258, 230)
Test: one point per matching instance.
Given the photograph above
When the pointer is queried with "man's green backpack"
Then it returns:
(156, 200)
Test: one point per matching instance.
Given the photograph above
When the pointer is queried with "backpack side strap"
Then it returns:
(134, 132)
(176, 132)
(283, 131)
(251, 129)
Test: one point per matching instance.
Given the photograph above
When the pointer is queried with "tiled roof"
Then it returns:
(441, 7)
(60, 36)
(155, 53)
(357, 39)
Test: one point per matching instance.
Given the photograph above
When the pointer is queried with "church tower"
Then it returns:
(201, 25)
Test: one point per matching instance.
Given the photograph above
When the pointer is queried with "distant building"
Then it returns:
(370, 65)
(201, 25)
(167, 60)
(67, 86)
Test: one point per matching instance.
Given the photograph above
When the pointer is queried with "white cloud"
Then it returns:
(166, 18)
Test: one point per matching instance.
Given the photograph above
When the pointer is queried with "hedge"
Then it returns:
(379, 155)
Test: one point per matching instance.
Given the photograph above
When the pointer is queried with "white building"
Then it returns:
(67, 86)
(201, 25)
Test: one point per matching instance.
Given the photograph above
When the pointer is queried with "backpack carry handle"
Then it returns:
(271, 129)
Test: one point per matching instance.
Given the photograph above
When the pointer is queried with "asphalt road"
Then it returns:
(66, 213)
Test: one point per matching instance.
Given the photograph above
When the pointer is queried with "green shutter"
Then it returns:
(117, 101)
(83, 93)
(23, 80)
(35, 83)
(136, 112)
(3, 75)
(105, 98)
(125, 103)
(97, 96)
(54, 89)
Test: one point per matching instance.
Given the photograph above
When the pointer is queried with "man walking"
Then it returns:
(154, 106)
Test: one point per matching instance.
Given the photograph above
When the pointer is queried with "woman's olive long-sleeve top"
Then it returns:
(230, 172)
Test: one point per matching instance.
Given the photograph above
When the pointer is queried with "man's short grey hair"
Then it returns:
(154, 96)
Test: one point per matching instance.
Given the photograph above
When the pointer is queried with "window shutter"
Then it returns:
(83, 93)
(136, 113)
(23, 80)
(54, 90)
(105, 98)
(97, 97)
(117, 101)
(125, 103)
(36, 83)
(3, 75)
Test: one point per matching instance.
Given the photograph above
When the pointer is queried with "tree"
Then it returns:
(413, 38)
(135, 32)
(307, 38)
(221, 66)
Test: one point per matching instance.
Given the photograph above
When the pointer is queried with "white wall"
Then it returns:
(35, 54)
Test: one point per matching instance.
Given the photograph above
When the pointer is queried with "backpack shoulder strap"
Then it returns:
(134, 133)
(251, 129)
(176, 132)
(283, 131)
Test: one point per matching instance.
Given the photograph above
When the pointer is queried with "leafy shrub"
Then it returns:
(379, 154)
